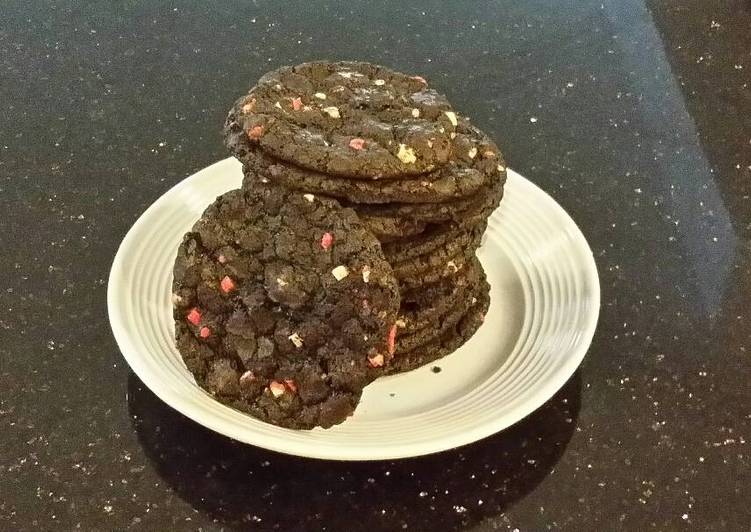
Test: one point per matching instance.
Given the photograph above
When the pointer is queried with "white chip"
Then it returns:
(320, 95)
(333, 112)
(472, 152)
(501, 168)
(406, 154)
(379, 82)
(278, 105)
(451, 265)
(264, 180)
(309, 197)
(340, 272)
(452, 118)
(365, 274)
(176, 299)
(281, 282)
(416, 112)
(452, 135)
(346, 74)
(295, 339)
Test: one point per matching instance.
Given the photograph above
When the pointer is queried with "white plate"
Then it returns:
(545, 300)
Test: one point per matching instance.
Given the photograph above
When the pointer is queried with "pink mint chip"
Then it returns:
(357, 144)
(227, 284)
(205, 332)
(296, 104)
(327, 240)
(194, 316)
(392, 339)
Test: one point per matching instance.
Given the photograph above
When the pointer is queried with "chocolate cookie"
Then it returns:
(409, 342)
(474, 164)
(285, 306)
(348, 119)
(389, 229)
(446, 344)
(428, 306)
(429, 241)
(441, 259)
(451, 268)
(465, 212)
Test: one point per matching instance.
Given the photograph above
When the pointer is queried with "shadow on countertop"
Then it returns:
(241, 486)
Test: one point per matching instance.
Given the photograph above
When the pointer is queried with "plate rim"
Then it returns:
(168, 394)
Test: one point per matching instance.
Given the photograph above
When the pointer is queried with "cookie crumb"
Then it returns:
(295, 339)
(340, 272)
(435, 369)
(406, 154)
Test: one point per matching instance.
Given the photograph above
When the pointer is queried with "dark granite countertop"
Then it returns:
(635, 116)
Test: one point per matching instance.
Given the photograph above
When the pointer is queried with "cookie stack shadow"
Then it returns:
(419, 175)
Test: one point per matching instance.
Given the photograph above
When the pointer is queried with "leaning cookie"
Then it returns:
(285, 306)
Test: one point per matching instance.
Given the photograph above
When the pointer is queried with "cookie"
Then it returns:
(428, 306)
(430, 240)
(348, 119)
(390, 229)
(446, 344)
(409, 342)
(451, 268)
(443, 259)
(284, 306)
(473, 166)
(464, 212)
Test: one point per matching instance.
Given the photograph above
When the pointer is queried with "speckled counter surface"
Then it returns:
(636, 117)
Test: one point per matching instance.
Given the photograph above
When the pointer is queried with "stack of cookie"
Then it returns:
(420, 177)
(348, 253)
